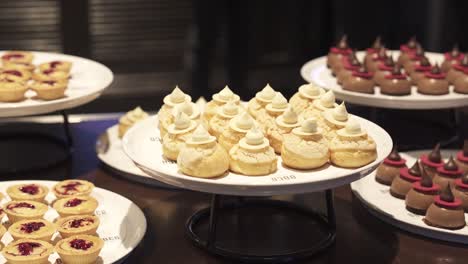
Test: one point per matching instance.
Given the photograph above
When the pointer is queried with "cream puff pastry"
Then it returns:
(202, 156)
(352, 147)
(176, 136)
(253, 155)
(334, 120)
(284, 124)
(187, 107)
(220, 121)
(306, 147)
(176, 97)
(219, 99)
(261, 99)
(305, 96)
(266, 116)
(237, 129)
(325, 102)
(131, 118)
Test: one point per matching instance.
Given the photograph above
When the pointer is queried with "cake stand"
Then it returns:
(142, 144)
(88, 81)
(376, 197)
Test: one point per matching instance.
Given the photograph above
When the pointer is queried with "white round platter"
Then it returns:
(316, 71)
(142, 144)
(115, 158)
(376, 197)
(122, 227)
(88, 81)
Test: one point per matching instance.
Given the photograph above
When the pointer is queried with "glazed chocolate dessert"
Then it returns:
(446, 211)
(460, 190)
(461, 84)
(351, 64)
(375, 46)
(421, 196)
(376, 59)
(414, 59)
(360, 81)
(337, 52)
(384, 68)
(451, 58)
(447, 174)
(406, 50)
(402, 184)
(390, 168)
(434, 82)
(462, 157)
(420, 70)
(432, 161)
(346, 60)
(396, 83)
(458, 70)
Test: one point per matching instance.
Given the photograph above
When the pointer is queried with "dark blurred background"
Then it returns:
(152, 45)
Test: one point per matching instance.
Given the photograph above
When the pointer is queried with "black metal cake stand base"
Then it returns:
(267, 231)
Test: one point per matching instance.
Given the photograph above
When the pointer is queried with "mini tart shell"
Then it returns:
(38, 212)
(6, 74)
(27, 57)
(81, 193)
(12, 91)
(18, 66)
(39, 259)
(16, 195)
(47, 91)
(76, 256)
(64, 66)
(63, 211)
(85, 230)
(47, 231)
(53, 76)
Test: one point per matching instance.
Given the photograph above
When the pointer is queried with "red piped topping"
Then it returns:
(453, 173)
(12, 56)
(461, 156)
(456, 202)
(81, 244)
(21, 205)
(459, 182)
(410, 46)
(77, 222)
(425, 160)
(54, 64)
(400, 76)
(340, 51)
(31, 227)
(435, 73)
(13, 72)
(26, 248)
(396, 163)
(69, 187)
(365, 75)
(434, 188)
(29, 189)
(449, 56)
(74, 202)
(404, 173)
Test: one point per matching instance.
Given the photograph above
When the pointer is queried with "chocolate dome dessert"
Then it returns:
(446, 211)
(402, 184)
(414, 59)
(422, 194)
(384, 68)
(430, 162)
(447, 174)
(458, 70)
(451, 58)
(420, 70)
(462, 157)
(461, 84)
(396, 83)
(372, 62)
(406, 50)
(360, 81)
(460, 190)
(390, 168)
(337, 52)
(350, 64)
(375, 46)
(434, 82)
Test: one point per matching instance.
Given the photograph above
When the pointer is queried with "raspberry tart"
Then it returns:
(69, 188)
(15, 75)
(30, 192)
(24, 210)
(49, 90)
(63, 66)
(26, 251)
(76, 205)
(39, 229)
(77, 225)
(79, 249)
(50, 75)
(17, 56)
(11, 91)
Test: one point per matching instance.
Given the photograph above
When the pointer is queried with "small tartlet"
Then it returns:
(17, 56)
(30, 192)
(24, 210)
(38, 229)
(12, 91)
(50, 75)
(76, 205)
(77, 225)
(64, 66)
(69, 188)
(79, 249)
(26, 251)
(50, 90)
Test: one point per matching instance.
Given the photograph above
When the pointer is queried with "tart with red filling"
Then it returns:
(24, 210)
(50, 90)
(77, 225)
(24, 251)
(68, 188)
(76, 205)
(17, 56)
(18, 66)
(79, 249)
(50, 75)
(16, 75)
(11, 91)
(28, 191)
(63, 66)
(39, 229)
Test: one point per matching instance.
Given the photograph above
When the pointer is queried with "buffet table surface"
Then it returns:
(360, 236)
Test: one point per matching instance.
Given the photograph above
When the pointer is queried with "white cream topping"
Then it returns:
(226, 94)
(266, 94)
(328, 99)
(177, 96)
(182, 121)
(310, 90)
(134, 116)
(201, 136)
(290, 116)
(230, 108)
(186, 107)
(279, 102)
(352, 129)
(242, 122)
(254, 139)
(308, 127)
(340, 113)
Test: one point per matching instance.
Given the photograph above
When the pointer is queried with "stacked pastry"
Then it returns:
(18, 74)
(308, 132)
(412, 68)
(77, 241)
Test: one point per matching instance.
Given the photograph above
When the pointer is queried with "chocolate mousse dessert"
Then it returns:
(396, 83)
(420, 70)
(402, 184)
(434, 82)
(460, 190)
(422, 195)
(383, 69)
(360, 81)
(430, 162)
(462, 157)
(446, 211)
(351, 64)
(345, 60)
(458, 70)
(376, 59)
(337, 52)
(406, 50)
(461, 84)
(414, 59)
(390, 168)
(447, 174)
(370, 52)
(451, 58)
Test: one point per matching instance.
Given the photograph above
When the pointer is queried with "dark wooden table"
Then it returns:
(361, 238)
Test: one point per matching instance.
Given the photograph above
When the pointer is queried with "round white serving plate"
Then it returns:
(376, 197)
(142, 144)
(122, 227)
(316, 71)
(115, 158)
(88, 81)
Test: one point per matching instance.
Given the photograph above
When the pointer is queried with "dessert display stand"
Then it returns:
(316, 72)
(232, 195)
(88, 81)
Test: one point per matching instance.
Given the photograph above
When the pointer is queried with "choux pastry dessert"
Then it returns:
(266, 116)
(219, 99)
(334, 120)
(305, 96)
(176, 97)
(237, 129)
(220, 121)
(261, 99)
(325, 102)
(189, 108)
(129, 119)
(176, 135)
(284, 124)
